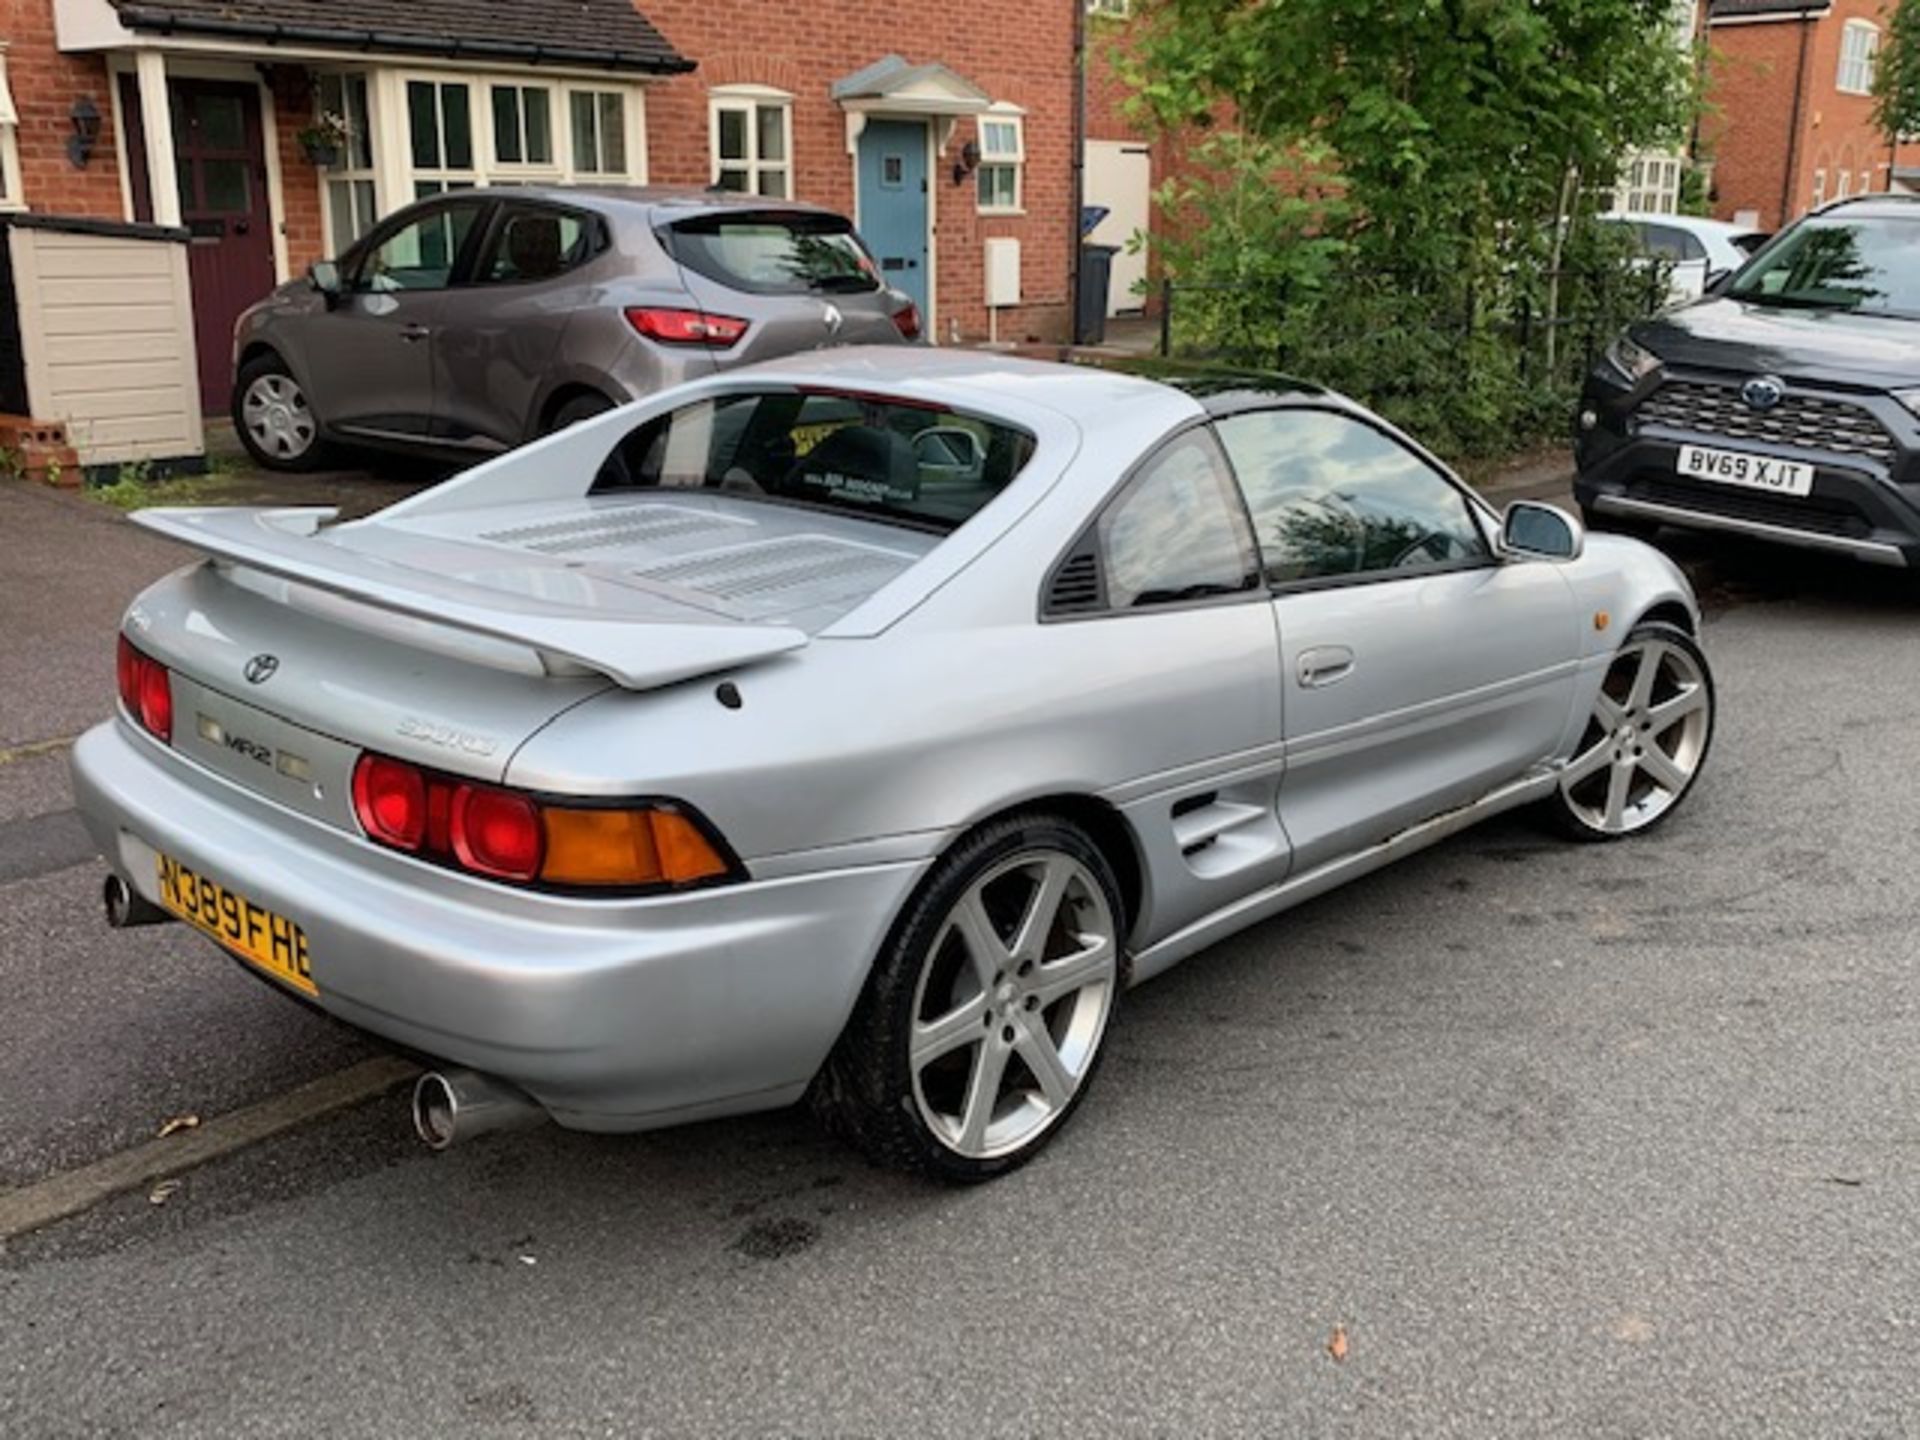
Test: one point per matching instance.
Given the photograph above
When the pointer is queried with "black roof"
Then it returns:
(609, 34)
(1756, 9)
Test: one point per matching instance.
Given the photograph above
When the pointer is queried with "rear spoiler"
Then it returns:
(634, 650)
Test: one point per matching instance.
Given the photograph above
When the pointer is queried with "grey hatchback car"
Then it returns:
(473, 321)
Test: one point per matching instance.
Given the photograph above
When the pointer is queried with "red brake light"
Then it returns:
(390, 801)
(146, 689)
(907, 321)
(687, 327)
(497, 832)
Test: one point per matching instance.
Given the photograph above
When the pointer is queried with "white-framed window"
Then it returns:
(1819, 188)
(1843, 185)
(522, 126)
(440, 135)
(1649, 184)
(12, 197)
(1003, 157)
(751, 130)
(351, 206)
(1112, 9)
(599, 122)
(1858, 42)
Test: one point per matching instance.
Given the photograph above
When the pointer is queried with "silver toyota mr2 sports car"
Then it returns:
(861, 726)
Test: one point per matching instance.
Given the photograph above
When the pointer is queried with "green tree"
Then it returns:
(1422, 164)
(1896, 73)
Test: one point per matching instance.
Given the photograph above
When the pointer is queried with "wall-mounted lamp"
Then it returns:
(86, 131)
(968, 162)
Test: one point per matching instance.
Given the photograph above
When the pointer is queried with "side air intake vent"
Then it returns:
(1076, 587)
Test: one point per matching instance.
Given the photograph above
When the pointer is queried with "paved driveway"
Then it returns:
(1614, 1140)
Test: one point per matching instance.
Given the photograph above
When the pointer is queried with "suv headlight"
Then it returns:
(1909, 398)
(1632, 359)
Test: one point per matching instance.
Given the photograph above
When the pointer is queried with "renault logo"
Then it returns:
(834, 319)
(260, 668)
(1763, 393)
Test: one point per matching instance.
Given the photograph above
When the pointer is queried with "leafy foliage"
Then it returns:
(1390, 195)
(1896, 75)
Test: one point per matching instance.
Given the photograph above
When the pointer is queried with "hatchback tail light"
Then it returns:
(687, 327)
(506, 834)
(907, 321)
(146, 689)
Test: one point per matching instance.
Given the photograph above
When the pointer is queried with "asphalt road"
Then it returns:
(1616, 1141)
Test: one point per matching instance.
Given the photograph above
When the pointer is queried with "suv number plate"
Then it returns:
(1755, 472)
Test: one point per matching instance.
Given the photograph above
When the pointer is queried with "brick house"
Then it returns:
(191, 112)
(1792, 111)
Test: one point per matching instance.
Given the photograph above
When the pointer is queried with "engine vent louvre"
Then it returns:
(1076, 586)
(642, 523)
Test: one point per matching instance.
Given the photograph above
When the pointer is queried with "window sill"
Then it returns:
(1001, 212)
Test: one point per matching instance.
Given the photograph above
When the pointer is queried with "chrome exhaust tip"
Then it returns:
(126, 907)
(453, 1106)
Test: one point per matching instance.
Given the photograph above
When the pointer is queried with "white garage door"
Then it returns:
(1119, 176)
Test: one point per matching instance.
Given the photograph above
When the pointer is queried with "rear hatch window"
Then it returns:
(775, 253)
(900, 461)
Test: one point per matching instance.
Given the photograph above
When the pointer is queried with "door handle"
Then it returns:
(411, 333)
(1324, 665)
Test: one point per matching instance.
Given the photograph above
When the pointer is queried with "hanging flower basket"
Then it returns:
(324, 141)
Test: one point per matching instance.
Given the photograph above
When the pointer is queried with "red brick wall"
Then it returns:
(45, 84)
(299, 181)
(1014, 50)
(1751, 134)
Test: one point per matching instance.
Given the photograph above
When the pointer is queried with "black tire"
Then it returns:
(583, 406)
(1619, 525)
(279, 448)
(866, 1093)
(1574, 818)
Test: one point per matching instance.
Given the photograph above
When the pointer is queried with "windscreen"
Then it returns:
(882, 458)
(1872, 266)
(769, 253)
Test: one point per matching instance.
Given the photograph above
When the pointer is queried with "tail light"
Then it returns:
(509, 835)
(146, 689)
(907, 321)
(687, 327)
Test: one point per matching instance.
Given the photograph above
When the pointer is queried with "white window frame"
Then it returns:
(748, 100)
(632, 133)
(12, 188)
(446, 177)
(1016, 160)
(1111, 9)
(556, 116)
(1859, 43)
(1819, 188)
(1843, 184)
(347, 172)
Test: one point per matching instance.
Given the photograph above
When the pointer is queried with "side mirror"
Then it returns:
(951, 451)
(1532, 531)
(1716, 279)
(324, 276)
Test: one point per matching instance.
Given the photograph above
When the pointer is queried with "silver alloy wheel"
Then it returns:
(276, 415)
(1012, 1003)
(1644, 740)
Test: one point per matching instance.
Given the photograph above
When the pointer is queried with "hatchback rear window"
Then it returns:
(885, 459)
(774, 253)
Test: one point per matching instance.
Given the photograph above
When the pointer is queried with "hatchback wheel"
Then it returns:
(272, 417)
(1644, 741)
(984, 1020)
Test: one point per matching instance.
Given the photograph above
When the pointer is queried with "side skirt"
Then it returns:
(1264, 904)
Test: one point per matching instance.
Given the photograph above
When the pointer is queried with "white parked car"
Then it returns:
(1698, 249)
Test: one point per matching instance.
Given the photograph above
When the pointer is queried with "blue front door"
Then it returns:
(893, 202)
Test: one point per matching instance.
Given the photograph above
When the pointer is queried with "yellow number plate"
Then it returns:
(260, 937)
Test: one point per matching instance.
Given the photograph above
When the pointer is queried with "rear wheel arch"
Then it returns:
(563, 396)
(1105, 826)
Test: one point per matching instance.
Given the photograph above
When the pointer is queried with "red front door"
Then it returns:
(223, 203)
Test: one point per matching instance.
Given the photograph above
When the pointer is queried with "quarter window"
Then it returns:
(1002, 158)
(522, 125)
(753, 142)
(421, 254)
(1177, 532)
(533, 243)
(599, 131)
(1333, 498)
(1858, 43)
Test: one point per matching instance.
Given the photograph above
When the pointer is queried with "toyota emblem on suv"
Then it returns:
(260, 668)
(1763, 393)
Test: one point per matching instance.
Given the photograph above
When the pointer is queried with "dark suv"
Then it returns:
(1784, 404)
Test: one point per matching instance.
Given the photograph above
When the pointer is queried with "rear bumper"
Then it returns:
(1855, 508)
(615, 1015)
